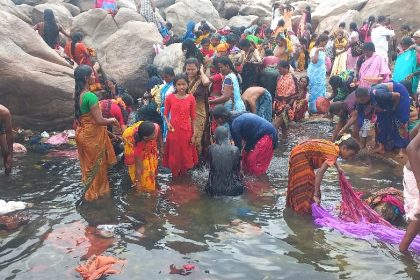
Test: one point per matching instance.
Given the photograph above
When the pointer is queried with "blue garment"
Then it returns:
(189, 34)
(404, 65)
(238, 103)
(163, 94)
(153, 81)
(317, 74)
(250, 128)
(265, 106)
(392, 124)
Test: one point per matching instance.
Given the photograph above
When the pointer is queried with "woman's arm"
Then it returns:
(61, 29)
(350, 122)
(414, 157)
(139, 169)
(99, 119)
(337, 131)
(318, 179)
(204, 79)
(395, 100)
(226, 95)
(314, 59)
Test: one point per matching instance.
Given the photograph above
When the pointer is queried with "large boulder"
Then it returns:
(61, 13)
(36, 84)
(30, 2)
(125, 15)
(74, 10)
(171, 56)
(332, 22)
(401, 12)
(245, 21)
(229, 10)
(26, 10)
(254, 10)
(126, 53)
(335, 7)
(164, 3)
(96, 24)
(83, 5)
(130, 4)
(185, 10)
(10, 7)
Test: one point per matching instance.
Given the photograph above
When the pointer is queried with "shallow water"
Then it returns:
(246, 237)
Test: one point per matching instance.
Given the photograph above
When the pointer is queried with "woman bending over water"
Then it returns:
(304, 186)
(95, 149)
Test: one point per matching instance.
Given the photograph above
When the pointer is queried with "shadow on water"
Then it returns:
(251, 236)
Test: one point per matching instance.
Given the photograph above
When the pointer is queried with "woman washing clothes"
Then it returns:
(304, 185)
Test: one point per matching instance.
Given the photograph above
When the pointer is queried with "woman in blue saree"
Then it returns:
(317, 72)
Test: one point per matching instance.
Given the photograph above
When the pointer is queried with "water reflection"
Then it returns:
(248, 237)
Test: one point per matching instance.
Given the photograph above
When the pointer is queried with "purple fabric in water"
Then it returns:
(362, 230)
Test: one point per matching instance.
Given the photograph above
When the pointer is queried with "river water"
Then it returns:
(248, 237)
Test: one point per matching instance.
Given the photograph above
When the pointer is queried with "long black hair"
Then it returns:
(51, 30)
(145, 129)
(192, 50)
(76, 37)
(227, 62)
(80, 74)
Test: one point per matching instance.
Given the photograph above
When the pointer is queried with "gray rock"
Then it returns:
(230, 10)
(125, 15)
(125, 54)
(240, 21)
(74, 10)
(164, 3)
(36, 84)
(30, 2)
(333, 8)
(84, 5)
(130, 4)
(171, 56)
(10, 7)
(62, 15)
(332, 22)
(254, 10)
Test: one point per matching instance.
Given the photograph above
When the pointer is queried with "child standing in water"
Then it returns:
(412, 190)
(180, 153)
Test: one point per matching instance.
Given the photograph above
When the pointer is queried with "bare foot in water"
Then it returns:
(379, 149)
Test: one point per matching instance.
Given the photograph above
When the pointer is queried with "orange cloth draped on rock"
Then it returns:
(96, 154)
(303, 160)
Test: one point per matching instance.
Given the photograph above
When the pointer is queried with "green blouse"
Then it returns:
(88, 100)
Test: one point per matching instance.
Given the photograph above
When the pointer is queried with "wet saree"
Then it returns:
(317, 80)
(147, 151)
(96, 154)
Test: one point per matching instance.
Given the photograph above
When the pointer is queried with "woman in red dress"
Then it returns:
(180, 153)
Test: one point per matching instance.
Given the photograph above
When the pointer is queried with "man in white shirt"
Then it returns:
(380, 35)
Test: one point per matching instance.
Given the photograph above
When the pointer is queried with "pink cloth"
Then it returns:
(328, 64)
(411, 195)
(99, 4)
(58, 139)
(256, 161)
(373, 67)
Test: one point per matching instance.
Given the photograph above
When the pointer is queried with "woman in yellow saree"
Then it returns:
(95, 150)
(142, 141)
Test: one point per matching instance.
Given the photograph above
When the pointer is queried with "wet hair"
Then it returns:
(205, 27)
(362, 92)
(244, 43)
(192, 60)
(407, 84)
(406, 41)
(281, 22)
(342, 24)
(303, 41)
(80, 74)
(353, 26)
(167, 70)
(269, 52)
(232, 39)
(406, 27)
(76, 37)
(381, 19)
(350, 144)
(190, 47)
(336, 81)
(280, 37)
(321, 38)
(145, 129)
(336, 107)
(227, 62)
(216, 36)
(306, 78)
(220, 111)
(371, 19)
(308, 8)
(369, 46)
(178, 77)
(128, 99)
(221, 135)
(168, 25)
(152, 70)
(51, 30)
(205, 41)
(284, 64)
(268, 31)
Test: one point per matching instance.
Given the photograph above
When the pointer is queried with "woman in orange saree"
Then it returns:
(142, 141)
(79, 53)
(95, 150)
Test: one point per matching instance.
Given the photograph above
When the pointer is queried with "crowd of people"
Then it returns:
(240, 89)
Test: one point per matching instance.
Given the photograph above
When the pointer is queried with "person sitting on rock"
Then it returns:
(49, 30)
(224, 176)
(6, 138)
(258, 101)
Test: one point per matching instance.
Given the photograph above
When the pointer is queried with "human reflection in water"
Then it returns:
(224, 176)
